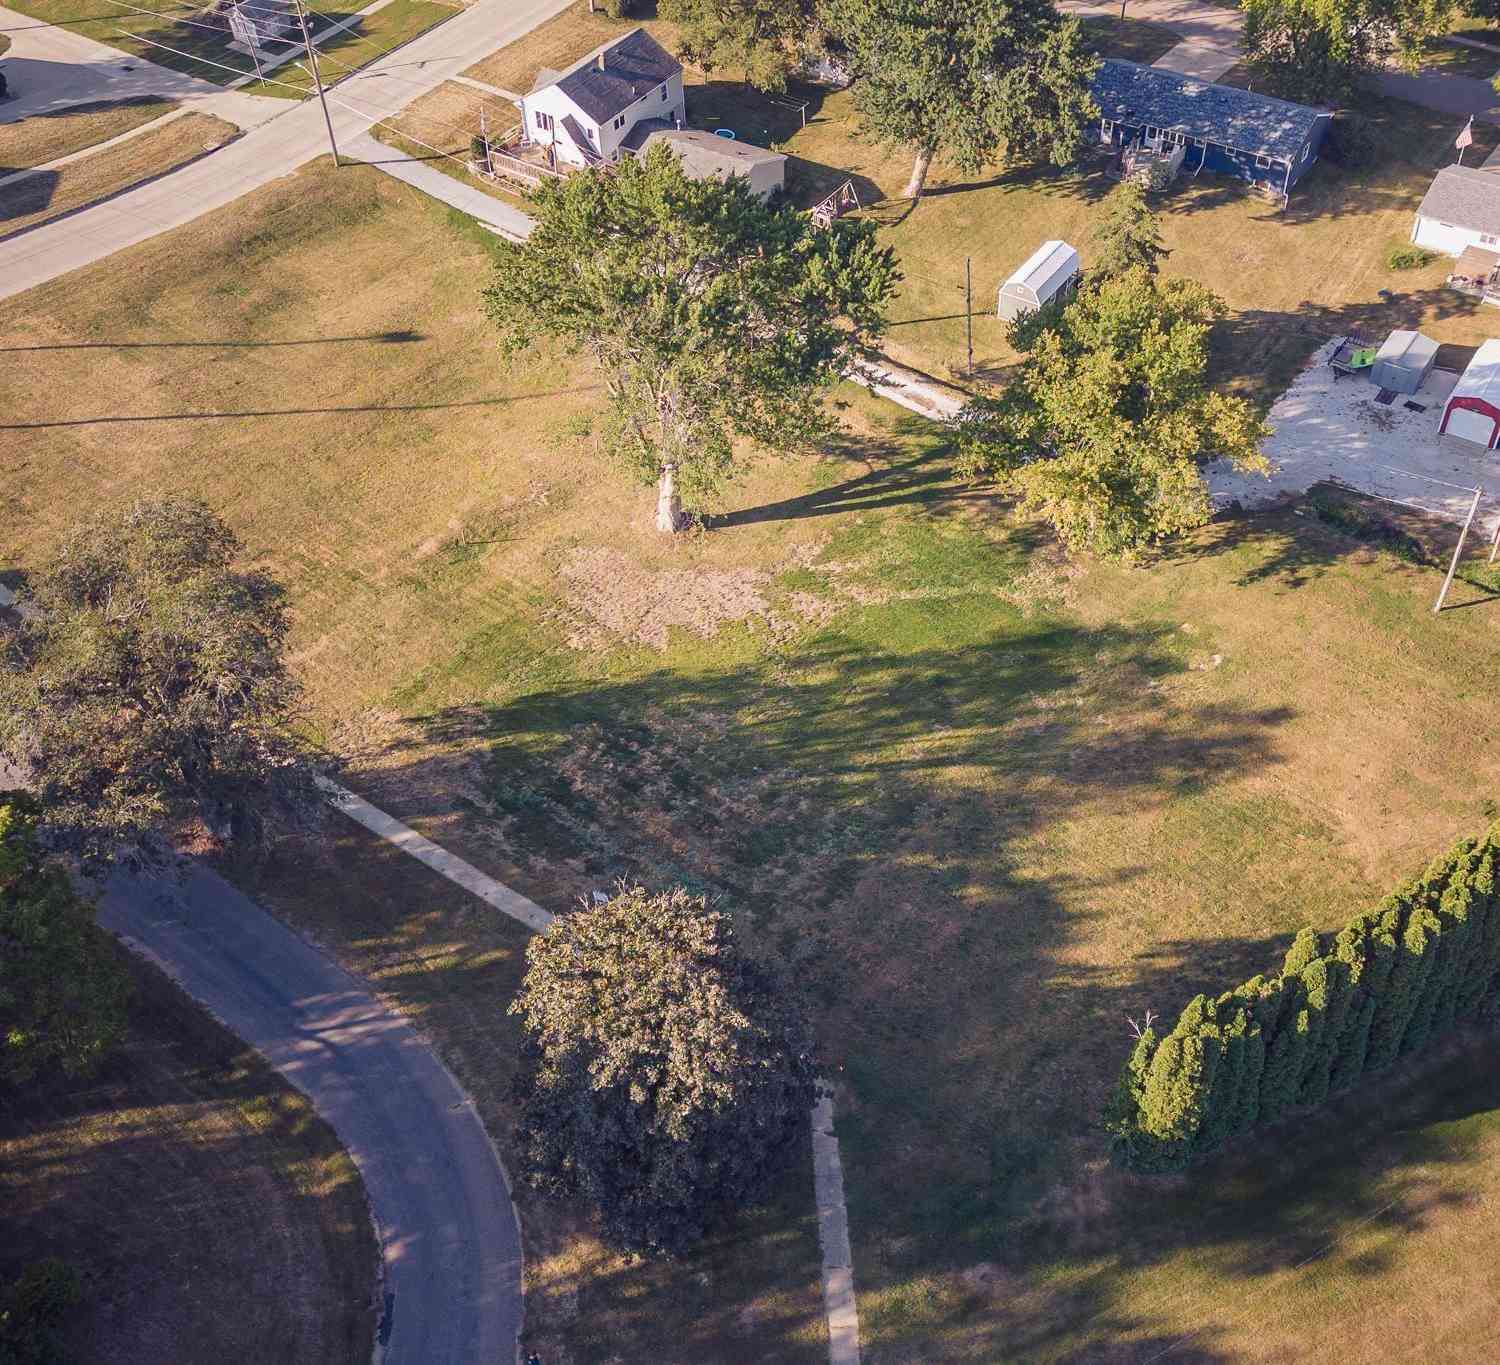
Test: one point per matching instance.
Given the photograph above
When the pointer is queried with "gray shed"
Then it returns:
(1050, 269)
(1402, 364)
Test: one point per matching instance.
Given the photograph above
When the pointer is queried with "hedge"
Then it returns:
(1383, 987)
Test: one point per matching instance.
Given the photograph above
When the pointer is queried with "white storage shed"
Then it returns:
(1050, 269)
(1472, 412)
(1403, 363)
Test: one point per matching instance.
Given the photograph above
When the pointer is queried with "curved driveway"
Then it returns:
(448, 1233)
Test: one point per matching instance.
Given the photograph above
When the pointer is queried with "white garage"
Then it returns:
(1472, 412)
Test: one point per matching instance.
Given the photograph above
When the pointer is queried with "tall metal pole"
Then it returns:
(969, 306)
(312, 63)
(1458, 550)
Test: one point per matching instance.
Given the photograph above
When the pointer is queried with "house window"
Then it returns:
(1149, 133)
(1106, 128)
(1487, 239)
(543, 121)
(1264, 162)
(664, 92)
(620, 122)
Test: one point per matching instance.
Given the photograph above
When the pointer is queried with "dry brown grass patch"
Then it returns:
(45, 195)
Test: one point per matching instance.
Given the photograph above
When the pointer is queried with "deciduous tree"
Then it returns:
(767, 40)
(710, 315)
(149, 682)
(1320, 51)
(62, 993)
(1106, 431)
(667, 1071)
(975, 81)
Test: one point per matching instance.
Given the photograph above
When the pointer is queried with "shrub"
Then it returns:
(1389, 982)
(1351, 142)
(479, 149)
(666, 1074)
(619, 9)
(1408, 258)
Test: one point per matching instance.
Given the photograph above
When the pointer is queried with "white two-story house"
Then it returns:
(586, 112)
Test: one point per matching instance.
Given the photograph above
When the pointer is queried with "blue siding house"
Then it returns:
(1224, 131)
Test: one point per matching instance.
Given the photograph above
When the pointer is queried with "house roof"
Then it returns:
(1128, 92)
(1040, 275)
(1482, 379)
(708, 154)
(635, 139)
(1047, 261)
(630, 67)
(1464, 196)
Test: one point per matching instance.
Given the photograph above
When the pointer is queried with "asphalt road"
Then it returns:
(448, 1232)
(270, 151)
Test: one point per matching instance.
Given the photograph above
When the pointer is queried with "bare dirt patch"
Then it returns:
(611, 598)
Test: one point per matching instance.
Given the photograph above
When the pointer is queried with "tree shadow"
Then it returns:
(498, 401)
(867, 811)
(388, 338)
(1258, 352)
(33, 194)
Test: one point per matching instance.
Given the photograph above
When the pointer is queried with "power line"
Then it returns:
(267, 80)
(89, 19)
(467, 91)
(190, 23)
(403, 111)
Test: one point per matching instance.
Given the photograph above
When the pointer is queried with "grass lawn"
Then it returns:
(150, 39)
(356, 46)
(50, 194)
(1136, 40)
(1290, 279)
(557, 44)
(1455, 59)
(205, 52)
(211, 1215)
(42, 138)
(441, 124)
(987, 802)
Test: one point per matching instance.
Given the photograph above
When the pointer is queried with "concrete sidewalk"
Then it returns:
(423, 175)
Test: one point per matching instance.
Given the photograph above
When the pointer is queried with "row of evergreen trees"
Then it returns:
(1391, 980)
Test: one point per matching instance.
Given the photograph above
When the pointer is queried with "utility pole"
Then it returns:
(312, 64)
(969, 307)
